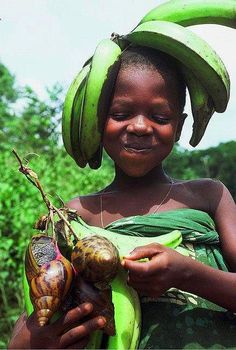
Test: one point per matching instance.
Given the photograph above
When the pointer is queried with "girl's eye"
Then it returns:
(161, 119)
(119, 116)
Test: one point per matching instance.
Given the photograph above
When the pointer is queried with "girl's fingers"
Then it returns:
(76, 334)
(138, 268)
(72, 316)
(147, 251)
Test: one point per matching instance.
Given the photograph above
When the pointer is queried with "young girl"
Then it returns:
(183, 298)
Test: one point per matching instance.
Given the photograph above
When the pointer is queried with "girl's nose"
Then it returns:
(140, 125)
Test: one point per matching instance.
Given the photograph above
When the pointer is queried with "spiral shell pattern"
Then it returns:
(49, 275)
(96, 259)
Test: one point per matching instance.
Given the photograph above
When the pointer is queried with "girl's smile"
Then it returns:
(143, 121)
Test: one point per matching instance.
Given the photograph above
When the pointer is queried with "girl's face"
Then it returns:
(143, 121)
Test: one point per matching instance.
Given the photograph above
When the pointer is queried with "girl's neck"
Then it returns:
(124, 182)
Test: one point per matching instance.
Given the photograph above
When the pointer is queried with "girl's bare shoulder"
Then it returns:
(86, 205)
(203, 193)
(199, 184)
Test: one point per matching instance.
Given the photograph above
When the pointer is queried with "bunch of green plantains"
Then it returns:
(68, 262)
(164, 29)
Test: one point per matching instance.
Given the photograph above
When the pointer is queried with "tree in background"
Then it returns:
(215, 162)
(27, 122)
(8, 95)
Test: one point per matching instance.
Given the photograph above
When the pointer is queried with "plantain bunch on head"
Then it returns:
(164, 29)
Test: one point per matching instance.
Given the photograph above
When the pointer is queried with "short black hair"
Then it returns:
(143, 57)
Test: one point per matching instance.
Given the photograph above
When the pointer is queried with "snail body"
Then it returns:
(49, 275)
(100, 298)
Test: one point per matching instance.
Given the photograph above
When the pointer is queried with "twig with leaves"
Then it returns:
(52, 209)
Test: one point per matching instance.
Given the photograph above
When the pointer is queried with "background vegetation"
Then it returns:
(32, 127)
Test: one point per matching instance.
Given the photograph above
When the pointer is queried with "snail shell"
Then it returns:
(96, 259)
(49, 275)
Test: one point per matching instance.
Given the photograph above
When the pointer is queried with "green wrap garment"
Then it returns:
(181, 320)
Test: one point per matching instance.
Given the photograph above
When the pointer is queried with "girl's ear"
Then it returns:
(182, 118)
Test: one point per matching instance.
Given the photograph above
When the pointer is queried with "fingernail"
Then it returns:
(88, 307)
(101, 321)
(123, 262)
(129, 254)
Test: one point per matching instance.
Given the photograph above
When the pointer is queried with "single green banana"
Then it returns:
(201, 104)
(192, 12)
(67, 109)
(125, 300)
(76, 114)
(96, 159)
(101, 78)
(191, 51)
(182, 251)
(137, 321)
(125, 244)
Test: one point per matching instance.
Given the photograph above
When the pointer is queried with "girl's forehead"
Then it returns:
(146, 85)
(137, 77)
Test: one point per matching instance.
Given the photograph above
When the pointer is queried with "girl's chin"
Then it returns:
(136, 171)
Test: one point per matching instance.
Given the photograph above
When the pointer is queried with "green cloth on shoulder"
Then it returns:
(195, 225)
(181, 320)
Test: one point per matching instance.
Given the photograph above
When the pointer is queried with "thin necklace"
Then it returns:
(153, 212)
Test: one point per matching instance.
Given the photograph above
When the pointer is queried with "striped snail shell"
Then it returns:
(96, 259)
(49, 275)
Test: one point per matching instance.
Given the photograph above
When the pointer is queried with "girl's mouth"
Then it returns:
(132, 148)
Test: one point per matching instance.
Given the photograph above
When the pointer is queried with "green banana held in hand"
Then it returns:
(125, 244)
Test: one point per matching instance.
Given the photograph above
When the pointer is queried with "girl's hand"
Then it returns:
(166, 268)
(68, 332)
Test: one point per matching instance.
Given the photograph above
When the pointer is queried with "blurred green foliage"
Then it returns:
(32, 126)
(215, 162)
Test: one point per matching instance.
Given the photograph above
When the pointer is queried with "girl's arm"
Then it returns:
(224, 214)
